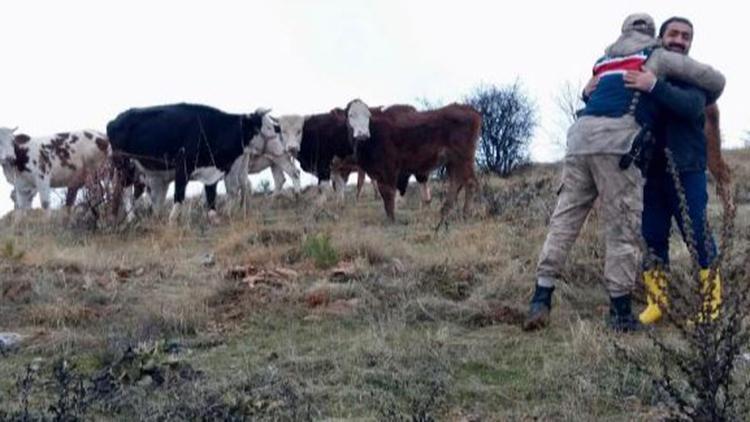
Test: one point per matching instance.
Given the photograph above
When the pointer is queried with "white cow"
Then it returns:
(39, 164)
(263, 153)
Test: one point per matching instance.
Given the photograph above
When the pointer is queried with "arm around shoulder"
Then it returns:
(667, 63)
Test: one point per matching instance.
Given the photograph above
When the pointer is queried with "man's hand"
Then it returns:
(590, 86)
(640, 80)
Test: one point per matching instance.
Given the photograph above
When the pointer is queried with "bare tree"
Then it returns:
(567, 101)
(508, 123)
(746, 139)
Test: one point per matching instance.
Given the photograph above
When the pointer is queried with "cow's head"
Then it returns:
(358, 121)
(260, 123)
(291, 132)
(7, 153)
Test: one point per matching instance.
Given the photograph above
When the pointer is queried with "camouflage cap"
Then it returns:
(640, 22)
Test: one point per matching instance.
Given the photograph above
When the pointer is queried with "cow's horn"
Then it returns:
(263, 111)
(14, 129)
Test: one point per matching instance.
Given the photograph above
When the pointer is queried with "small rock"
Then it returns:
(746, 357)
(36, 363)
(145, 381)
(8, 340)
(207, 260)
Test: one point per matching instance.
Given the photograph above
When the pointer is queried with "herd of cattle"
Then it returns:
(150, 147)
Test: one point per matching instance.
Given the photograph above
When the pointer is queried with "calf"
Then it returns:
(41, 163)
(262, 154)
(388, 147)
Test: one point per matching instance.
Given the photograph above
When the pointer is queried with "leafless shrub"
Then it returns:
(93, 210)
(698, 372)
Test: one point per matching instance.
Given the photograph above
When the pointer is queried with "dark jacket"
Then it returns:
(680, 126)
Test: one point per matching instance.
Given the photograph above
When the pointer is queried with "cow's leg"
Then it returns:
(70, 196)
(339, 185)
(158, 193)
(210, 191)
(134, 193)
(182, 174)
(278, 179)
(120, 186)
(237, 183)
(287, 164)
(424, 188)
(44, 195)
(360, 182)
(388, 193)
(246, 190)
(178, 199)
(375, 189)
(24, 197)
(70, 199)
(454, 186)
(324, 183)
(128, 198)
(470, 182)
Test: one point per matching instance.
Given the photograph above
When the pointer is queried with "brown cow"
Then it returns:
(387, 146)
(325, 151)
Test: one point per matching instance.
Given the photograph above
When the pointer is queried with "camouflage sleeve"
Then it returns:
(666, 63)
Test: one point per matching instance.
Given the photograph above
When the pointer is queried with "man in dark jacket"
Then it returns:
(681, 130)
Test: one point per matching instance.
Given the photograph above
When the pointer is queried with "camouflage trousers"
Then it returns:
(620, 192)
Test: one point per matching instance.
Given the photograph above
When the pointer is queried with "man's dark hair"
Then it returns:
(663, 27)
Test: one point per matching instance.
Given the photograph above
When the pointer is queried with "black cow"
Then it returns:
(186, 141)
(324, 137)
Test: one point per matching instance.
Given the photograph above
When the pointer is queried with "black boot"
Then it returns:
(621, 318)
(541, 303)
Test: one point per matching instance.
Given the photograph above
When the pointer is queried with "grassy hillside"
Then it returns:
(290, 311)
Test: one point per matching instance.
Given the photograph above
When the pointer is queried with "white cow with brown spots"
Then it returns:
(62, 160)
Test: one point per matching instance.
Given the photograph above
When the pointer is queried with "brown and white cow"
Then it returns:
(324, 150)
(389, 146)
(39, 164)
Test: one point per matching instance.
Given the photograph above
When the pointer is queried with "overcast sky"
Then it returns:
(76, 64)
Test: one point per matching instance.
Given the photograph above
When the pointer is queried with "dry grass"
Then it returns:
(408, 322)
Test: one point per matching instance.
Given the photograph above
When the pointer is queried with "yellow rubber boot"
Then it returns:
(656, 283)
(715, 300)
